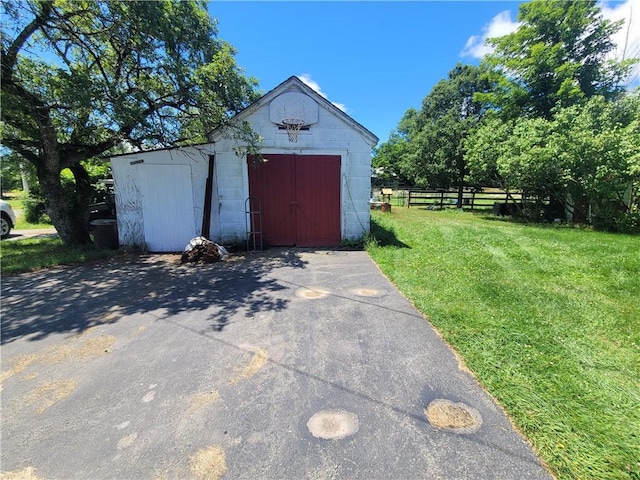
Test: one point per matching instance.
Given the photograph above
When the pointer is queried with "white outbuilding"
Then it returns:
(309, 186)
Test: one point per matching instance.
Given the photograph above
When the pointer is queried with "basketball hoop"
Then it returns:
(293, 126)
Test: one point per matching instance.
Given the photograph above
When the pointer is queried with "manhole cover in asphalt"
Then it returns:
(333, 424)
(455, 417)
(368, 292)
(312, 293)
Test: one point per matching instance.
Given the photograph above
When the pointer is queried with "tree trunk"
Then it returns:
(462, 171)
(65, 214)
(23, 177)
(84, 194)
(68, 212)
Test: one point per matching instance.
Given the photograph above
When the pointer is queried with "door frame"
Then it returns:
(342, 153)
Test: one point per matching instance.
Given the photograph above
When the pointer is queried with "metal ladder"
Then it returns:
(253, 215)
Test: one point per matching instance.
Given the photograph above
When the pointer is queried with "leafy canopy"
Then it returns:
(431, 153)
(80, 77)
(103, 72)
(589, 151)
(557, 57)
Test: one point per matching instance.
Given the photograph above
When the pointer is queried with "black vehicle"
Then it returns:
(104, 204)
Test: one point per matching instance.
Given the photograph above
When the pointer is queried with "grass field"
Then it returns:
(21, 223)
(34, 253)
(547, 317)
(27, 254)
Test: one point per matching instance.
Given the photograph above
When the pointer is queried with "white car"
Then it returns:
(8, 220)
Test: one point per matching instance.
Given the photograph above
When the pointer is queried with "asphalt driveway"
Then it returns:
(32, 233)
(287, 364)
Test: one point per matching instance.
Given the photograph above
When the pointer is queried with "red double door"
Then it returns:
(299, 199)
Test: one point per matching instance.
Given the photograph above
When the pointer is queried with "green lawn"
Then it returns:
(21, 223)
(34, 253)
(547, 317)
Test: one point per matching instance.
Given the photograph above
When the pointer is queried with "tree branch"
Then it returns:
(74, 153)
(24, 149)
(11, 56)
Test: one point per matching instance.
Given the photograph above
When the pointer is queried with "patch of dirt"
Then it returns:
(28, 473)
(312, 293)
(89, 349)
(110, 315)
(50, 393)
(209, 463)
(333, 424)
(448, 415)
(127, 441)
(56, 354)
(18, 365)
(257, 362)
(462, 365)
(368, 292)
(86, 331)
(200, 400)
(94, 347)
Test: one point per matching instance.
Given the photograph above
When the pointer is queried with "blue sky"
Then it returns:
(372, 59)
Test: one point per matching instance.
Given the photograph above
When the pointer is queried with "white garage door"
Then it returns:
(167, 206)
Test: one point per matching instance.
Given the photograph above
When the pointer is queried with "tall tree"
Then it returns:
(80, 77)
(388, 160)
(449, 112)
(557, 57)
(587, 156)
(396, 156)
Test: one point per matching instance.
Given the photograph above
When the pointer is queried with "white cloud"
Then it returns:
(311, 83)
(500, 25)
(627, 39)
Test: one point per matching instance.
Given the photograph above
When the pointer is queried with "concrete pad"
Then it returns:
(281, 364)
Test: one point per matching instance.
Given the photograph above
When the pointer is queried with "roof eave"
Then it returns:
(370, 137)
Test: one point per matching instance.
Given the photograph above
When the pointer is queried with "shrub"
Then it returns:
(34, 210)
(629, 222)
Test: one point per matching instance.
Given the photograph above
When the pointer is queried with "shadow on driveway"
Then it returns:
(236, 360)
(71, 300)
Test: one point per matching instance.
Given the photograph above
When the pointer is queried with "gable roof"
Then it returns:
(284, 86)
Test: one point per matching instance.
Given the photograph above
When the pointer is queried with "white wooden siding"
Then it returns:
(138, 214)
(167, 203)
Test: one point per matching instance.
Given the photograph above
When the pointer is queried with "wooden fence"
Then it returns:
(502, 203)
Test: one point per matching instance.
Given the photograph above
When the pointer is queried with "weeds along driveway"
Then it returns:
(285, 364)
